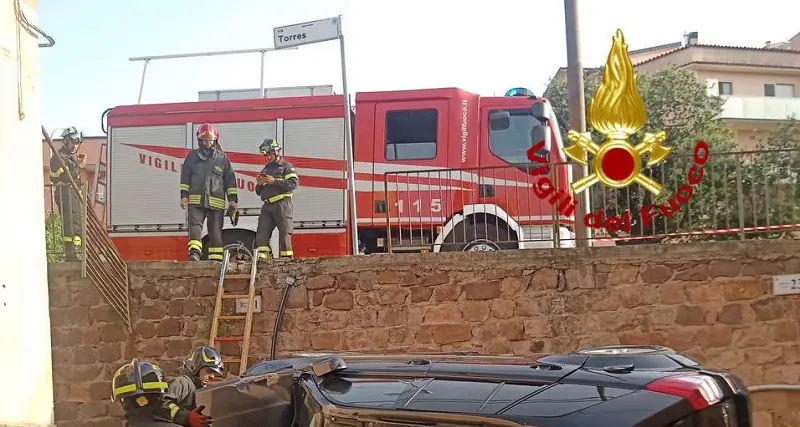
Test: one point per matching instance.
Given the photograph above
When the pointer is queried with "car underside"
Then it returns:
(616, 386)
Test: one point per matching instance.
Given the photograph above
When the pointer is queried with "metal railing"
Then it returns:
(741, 195)
(101, 262)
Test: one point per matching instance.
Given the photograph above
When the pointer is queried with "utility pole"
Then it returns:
(577, 113)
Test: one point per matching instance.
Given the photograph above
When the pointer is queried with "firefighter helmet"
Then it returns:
(269, 146)
(203, 357)
(138, 378)
(72, 135)
(207, 131)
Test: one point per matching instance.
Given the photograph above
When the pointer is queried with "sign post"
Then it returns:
(292, 36)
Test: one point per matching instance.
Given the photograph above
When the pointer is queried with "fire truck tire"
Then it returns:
(239, 242)
(480, 237)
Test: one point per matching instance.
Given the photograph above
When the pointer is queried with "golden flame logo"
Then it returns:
(617, 111)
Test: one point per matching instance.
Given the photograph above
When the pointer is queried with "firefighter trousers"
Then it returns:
(275, 215)
(196, 216)
(71, 211)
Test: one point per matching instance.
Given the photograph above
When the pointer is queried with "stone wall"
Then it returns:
(710, 301)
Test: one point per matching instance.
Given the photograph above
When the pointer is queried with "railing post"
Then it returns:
(740, 197)
(84, 240)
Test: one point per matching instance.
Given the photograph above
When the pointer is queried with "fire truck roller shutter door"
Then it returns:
(502, 232)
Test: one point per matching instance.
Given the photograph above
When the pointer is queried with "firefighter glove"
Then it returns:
(197, 419)
(233, 213)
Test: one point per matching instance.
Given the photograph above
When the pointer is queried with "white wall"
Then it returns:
(26, 377)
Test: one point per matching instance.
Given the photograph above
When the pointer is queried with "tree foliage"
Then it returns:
(54, 238)
(679, 104)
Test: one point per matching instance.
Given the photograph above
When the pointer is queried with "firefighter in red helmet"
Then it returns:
(207, 179)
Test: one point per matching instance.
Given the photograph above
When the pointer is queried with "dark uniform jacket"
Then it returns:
(207, 180)
(148, 417)
(181, 392)
(286, 181)
(57, 173)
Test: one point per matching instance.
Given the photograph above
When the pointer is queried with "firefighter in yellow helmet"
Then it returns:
(140, 387)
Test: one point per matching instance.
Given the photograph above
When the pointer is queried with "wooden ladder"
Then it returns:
(248, 318)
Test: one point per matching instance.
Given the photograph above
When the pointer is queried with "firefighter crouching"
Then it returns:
(207, 178)
(140, 387)
(67, 199)
(202, 365)
(276, 184)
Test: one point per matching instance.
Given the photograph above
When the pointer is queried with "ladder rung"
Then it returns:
(232, 317)
(233, 296)
(229, 339)
(237, 276)
(231, 359)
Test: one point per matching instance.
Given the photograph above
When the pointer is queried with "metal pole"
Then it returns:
(348, 141)
(263, 54)
(577, 114)
(141, 85)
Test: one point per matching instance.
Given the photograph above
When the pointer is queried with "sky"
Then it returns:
(486, 47)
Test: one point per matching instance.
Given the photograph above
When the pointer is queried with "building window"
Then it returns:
(779, 90)
(725, 88)
(511, 143)
(411, 134)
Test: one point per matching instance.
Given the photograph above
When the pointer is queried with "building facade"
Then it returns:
(761, 86)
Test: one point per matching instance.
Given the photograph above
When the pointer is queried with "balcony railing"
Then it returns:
(760, 108)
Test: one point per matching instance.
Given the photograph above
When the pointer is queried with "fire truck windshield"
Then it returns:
(511, 143)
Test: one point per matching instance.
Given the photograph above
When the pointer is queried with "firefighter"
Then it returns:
(207, 178)
(67, 199)
(276, 184)
(202, 365)
(140, 387)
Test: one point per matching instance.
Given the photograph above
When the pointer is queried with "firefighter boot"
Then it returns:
(194, 256)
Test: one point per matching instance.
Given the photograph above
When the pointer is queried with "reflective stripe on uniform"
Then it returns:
(287, 253)
(195, 245)
(184, 187)
(154, 385)
(291, 175)
(216, 202)
(57, 173)
(195, 199)
(279, 197)
(231, 191)
(77, 241)
(264, 252)
(173, 409)
(68, 239)
(215, 252)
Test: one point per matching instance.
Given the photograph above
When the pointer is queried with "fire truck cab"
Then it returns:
(436, 169)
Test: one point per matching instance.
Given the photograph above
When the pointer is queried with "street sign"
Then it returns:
(307, 33)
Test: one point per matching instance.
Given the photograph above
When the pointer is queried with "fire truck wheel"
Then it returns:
(239, 243)
(478, 237)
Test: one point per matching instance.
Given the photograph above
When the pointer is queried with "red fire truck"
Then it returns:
(435, 169)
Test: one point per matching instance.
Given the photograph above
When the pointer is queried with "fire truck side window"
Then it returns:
(411, 134)
(512, 143)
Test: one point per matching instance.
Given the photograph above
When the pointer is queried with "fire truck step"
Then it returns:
(232, 317)
(230, 339)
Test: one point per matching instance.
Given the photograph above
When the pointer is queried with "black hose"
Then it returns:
(103, 120)
(279, 318)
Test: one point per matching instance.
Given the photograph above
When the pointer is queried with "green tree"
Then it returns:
(678, 104)
(54, 238)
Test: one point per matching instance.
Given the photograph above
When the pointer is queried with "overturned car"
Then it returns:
(616, 386)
